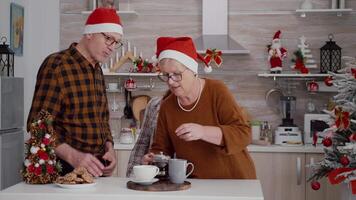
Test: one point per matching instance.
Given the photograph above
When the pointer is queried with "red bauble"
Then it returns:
(328, 81)
(353, 137)
(315, 185)
(327, 142)
(344, 160)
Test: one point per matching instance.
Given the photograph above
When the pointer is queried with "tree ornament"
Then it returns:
(327, 142)
(328, 81)
(315, 185)
(353, 137)
(344, 160)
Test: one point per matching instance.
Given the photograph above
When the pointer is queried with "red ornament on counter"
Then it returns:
(328, 81)
(344, 160)
(315, 185)
(327, 142)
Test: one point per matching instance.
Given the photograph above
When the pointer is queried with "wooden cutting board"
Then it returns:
(159, 186)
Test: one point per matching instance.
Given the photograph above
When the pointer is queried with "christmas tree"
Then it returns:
(339, 163)
(306, 52)
(40, 164)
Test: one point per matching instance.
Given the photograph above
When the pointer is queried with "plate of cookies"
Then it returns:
(78, 178)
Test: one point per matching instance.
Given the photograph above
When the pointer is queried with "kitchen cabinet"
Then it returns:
(326, 191)
(122, 157)
(284, 176)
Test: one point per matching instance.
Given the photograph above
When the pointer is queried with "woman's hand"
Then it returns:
(148, 158)
(190, 131)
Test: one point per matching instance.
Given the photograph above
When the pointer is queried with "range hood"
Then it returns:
(215, 29)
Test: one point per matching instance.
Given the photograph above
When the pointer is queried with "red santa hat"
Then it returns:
(181, 49)
(277, 35)
(103, 20)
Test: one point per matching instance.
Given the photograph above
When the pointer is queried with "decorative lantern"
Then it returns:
(6, 59)
(330, 56)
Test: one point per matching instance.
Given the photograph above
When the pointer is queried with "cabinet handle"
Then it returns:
(311, 160)
(299, 171)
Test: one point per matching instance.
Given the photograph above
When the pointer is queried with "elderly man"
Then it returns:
(71, 86)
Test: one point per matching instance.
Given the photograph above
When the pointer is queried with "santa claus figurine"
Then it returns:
(276, 53)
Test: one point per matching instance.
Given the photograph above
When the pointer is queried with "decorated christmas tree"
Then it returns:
(40, 166)
(339, 163)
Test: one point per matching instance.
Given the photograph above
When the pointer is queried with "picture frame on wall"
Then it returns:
(16, 28)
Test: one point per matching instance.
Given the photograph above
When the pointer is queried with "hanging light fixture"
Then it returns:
(330, 56)
(6, 59)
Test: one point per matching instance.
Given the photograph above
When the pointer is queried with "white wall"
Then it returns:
(41, 38)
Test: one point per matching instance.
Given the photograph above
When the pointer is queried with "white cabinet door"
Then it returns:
(326, 191)
(282, 175)
(123, 157)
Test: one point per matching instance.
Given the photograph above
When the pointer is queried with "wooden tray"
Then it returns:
(159, 186)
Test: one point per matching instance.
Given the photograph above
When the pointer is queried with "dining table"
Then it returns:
(115, 188)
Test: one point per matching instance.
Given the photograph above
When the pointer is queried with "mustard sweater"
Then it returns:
(217, 107)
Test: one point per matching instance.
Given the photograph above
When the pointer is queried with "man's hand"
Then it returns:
(80, 159)
(111, 158)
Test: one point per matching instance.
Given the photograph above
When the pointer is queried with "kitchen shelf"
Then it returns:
(129, 74)
(267, 75)
(339, 12)
(122, 13)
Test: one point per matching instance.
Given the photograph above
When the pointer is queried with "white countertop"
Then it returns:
(308, 148)
(114, 188)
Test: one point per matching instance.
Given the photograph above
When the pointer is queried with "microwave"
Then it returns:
(314, 123)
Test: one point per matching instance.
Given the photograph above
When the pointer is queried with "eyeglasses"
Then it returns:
(176, 76)
(111, 41)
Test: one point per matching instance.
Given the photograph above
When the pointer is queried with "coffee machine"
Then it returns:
(161, 161)
(288, 133)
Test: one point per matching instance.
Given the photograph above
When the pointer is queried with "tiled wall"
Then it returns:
(252, 23)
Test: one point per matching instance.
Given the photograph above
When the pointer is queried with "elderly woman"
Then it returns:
(200, 120)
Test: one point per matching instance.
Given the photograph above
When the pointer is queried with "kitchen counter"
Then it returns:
(114, 188)
(308, 148)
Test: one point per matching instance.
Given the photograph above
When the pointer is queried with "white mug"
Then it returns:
(144, 172)
(177, 170)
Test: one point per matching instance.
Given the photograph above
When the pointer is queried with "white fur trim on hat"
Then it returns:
(104, 27)
(187, 61)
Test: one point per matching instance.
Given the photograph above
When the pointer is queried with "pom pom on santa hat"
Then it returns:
(181, 49)
(103, 20)
(277, 35)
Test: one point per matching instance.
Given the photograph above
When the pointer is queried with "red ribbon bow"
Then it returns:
(342, 119)
(213, 55)
(335, 179)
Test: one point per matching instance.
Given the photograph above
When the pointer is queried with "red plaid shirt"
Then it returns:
(73, 91)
